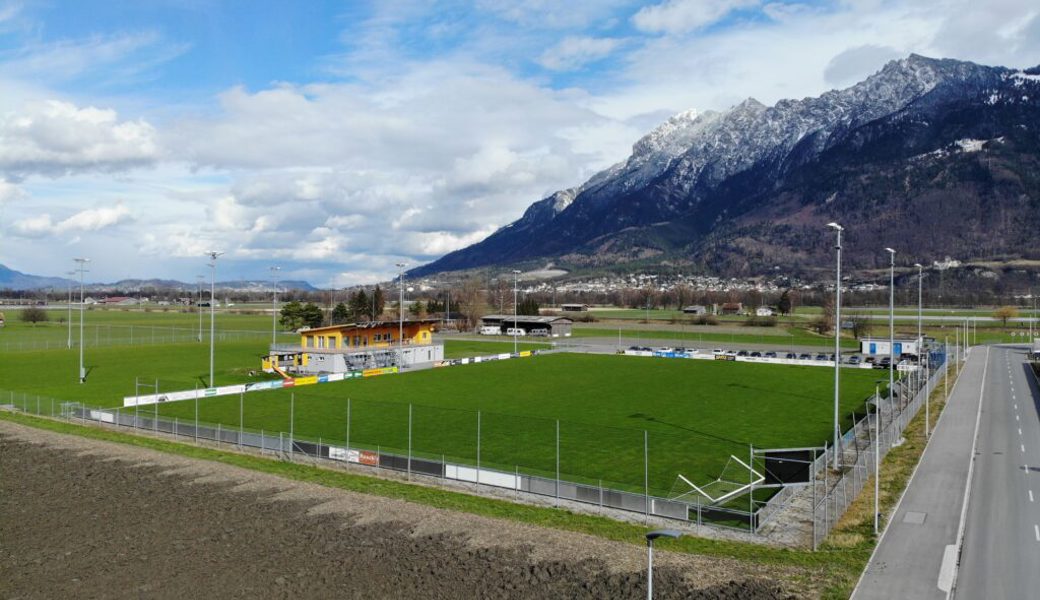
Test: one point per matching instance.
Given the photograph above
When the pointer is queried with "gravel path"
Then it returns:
(90, 519)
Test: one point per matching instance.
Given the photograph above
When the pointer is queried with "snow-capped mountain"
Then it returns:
(741, 189)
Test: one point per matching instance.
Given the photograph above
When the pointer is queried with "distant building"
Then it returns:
(356, 347)
(536, 326)
(763, 311)
(695, 309)
(574, 307)
(119, 301)
(879, 347)
(731, 308)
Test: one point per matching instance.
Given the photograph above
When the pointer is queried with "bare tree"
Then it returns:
(1004, 313)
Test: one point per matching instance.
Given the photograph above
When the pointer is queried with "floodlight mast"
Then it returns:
(81, 268)
(274, 305)
(516, 275)
(921, 357)
(69, 306)
(213, 254)
(837, 341)
(400, 310)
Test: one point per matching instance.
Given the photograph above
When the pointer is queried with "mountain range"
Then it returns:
(933, 157)
(16, 280)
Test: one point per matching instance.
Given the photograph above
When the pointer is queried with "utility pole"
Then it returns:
(400, 311)
(198, 303)
(516, 275)
(891, 321)
(70, 274)
(921, 356)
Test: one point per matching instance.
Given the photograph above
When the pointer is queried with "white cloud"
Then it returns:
(10, 192)
(56, 138)
(574, 52)
(91, 219)
(681, 16)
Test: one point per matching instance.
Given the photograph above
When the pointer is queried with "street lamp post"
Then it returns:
(213, 254)
(516, 275)
(891, 320)
(81, 269)
(837, 341)
(877, 456)
(650, 537)
(274, 305)
(400, 310)
(921, 356)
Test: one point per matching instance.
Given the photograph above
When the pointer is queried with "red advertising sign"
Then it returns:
(367, 457)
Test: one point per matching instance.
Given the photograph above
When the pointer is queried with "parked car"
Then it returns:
(540, 332)
(742, 353)
(490, 330)
(854, 360)
(519, 331)
(805, 356)
(770, 355)
(756, 354)
(791, 356)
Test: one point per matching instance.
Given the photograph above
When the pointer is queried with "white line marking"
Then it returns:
(1023, 446)
(1019, 431)
(1036, 532)
(1016, 418)
(1016, 408)
(1030, 495)
(948, 570)
(971, 469)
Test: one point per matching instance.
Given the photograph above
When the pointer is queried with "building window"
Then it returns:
(310, 341)
(332, 343)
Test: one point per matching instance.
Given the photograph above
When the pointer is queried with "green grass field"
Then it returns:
(783, 336)
(697, 413)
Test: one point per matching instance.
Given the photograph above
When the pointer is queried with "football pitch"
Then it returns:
(695, 414)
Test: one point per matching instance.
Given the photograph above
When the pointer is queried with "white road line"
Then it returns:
(1036, 532)
(1023, 446)
(1030, 495)
(1019, 431)
(1016, 418)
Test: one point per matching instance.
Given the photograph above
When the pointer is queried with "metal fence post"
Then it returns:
(348, 426)
(292, 412)
(478, 447)
(557, 462)
(409, 441)
(646, 476)
(241, 416)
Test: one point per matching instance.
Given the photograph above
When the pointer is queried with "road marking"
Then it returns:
(948, 570)
(1019, 431)
(1016, 418)
(971, 469)
(1036, 532)
(1030, 495)
(1023, 447)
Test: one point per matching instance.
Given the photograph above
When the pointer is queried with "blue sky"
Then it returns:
(337, 138)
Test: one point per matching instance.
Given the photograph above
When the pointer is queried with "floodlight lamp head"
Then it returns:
(890, 251)
(400, 265)
(516, 272)
(659, 533)
(919, 266)
(835, 226)
(213, 254)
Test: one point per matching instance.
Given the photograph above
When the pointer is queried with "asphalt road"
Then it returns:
(1001, 551)
(979, 541)
(910, 557)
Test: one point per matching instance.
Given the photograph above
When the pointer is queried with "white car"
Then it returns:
(516, 331)
(490, 330)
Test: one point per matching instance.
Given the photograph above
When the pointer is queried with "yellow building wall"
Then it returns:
(377, 337)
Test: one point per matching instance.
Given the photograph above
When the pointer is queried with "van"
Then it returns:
(515, 331)
(490, 330)
(541, 332)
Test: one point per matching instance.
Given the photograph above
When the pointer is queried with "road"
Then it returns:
(1001, 550)
(991, 525)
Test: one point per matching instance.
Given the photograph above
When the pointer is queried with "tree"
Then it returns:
(312, 315)
(34, 315)
(418, 309)
(379, 301)
(1004, 313)
(823, 323)
(340, 314)
(861, 324)
(360, 307)
(471, 300)
(528, 306)
(783, 305)
(291, 315)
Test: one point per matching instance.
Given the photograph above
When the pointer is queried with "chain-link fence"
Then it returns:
(866, 444)
(630, 470)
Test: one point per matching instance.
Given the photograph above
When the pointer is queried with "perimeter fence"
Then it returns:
(99, 335)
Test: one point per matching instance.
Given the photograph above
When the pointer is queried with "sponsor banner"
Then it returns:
(312, 380)
(104, 417)
(288, 383)
(477, 359)
(337, 453)
(525, 353)
(504, 356)
(484, 476)
(210, 392)
(464, 361)
(230, 389)
(323, 378)
(375, 372)
(725, 357)
(441, 363)
(364, 457)
(335, 377)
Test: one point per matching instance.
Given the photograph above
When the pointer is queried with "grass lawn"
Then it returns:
(783, 337)
(696, 413)
(464, 348)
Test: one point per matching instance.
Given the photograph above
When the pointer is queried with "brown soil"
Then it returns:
(88, 519)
